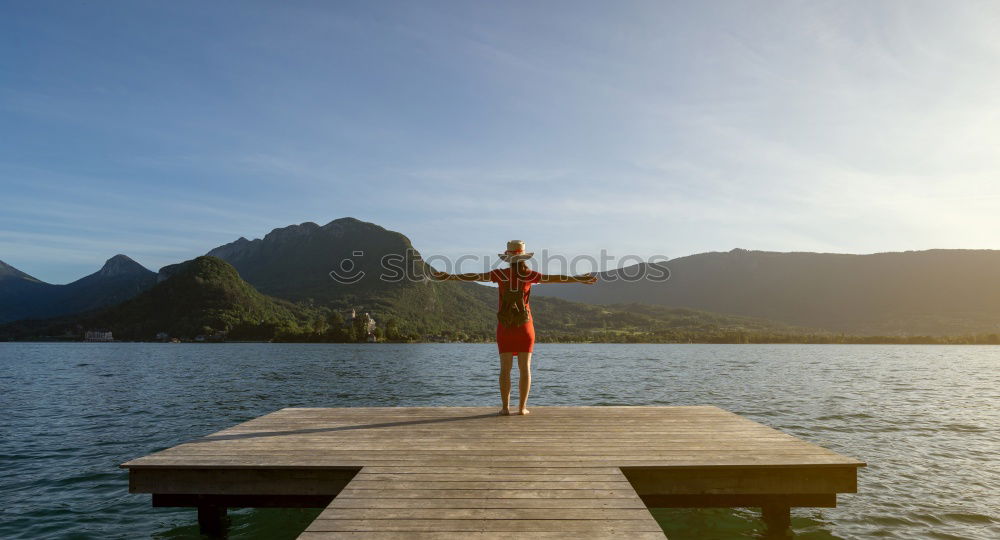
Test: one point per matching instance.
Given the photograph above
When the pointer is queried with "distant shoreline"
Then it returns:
(990, 339)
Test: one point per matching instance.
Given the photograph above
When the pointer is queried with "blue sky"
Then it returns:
(163, 129)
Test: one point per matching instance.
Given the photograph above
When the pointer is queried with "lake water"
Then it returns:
(925, 418)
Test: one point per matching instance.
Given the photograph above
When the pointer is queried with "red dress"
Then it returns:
(519, 338)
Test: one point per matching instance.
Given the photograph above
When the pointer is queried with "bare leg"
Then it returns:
(523, 381)
(506, 363)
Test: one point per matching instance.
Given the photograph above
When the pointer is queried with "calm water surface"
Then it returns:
(925, 418)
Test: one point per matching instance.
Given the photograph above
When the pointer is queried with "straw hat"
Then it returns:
(515, 252)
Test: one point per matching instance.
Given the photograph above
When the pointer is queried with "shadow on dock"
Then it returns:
(236, 436)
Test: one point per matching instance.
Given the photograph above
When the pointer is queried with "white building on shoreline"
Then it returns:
(98, 336)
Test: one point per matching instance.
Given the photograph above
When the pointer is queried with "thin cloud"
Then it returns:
(651, 128)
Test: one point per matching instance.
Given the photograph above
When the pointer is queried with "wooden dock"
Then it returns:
(464, 472)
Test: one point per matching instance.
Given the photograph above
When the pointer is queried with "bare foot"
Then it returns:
(504, 412)
(524, 411)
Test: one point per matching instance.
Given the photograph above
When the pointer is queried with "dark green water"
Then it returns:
(925, 418)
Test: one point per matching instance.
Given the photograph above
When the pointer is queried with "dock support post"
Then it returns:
(778, 519)
(212, 520)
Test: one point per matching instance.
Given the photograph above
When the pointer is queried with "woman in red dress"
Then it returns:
(515, 327)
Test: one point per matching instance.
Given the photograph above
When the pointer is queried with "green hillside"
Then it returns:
(204, 296)
(934, 293)
(560, 320)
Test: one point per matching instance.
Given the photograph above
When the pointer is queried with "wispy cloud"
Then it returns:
(650, 128)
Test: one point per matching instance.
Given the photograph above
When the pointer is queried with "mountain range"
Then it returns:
(24, 297)
(936, 292)
(203, 296)
(206, 297)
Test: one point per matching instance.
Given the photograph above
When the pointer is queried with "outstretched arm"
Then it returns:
(445, 276)
(587, 279)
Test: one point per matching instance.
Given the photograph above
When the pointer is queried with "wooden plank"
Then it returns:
(500, 482)
(488, 493)
(506, 525)
(432, 469)
(473, 502)
(485, 450)
(323, 462)
(472, 535)
(487, 475)
(485, 513)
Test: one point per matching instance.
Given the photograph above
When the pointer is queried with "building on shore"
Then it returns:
(368, 324)
(98, 336)
(365, 325)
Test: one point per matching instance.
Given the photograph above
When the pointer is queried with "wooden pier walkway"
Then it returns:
(464, 472)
